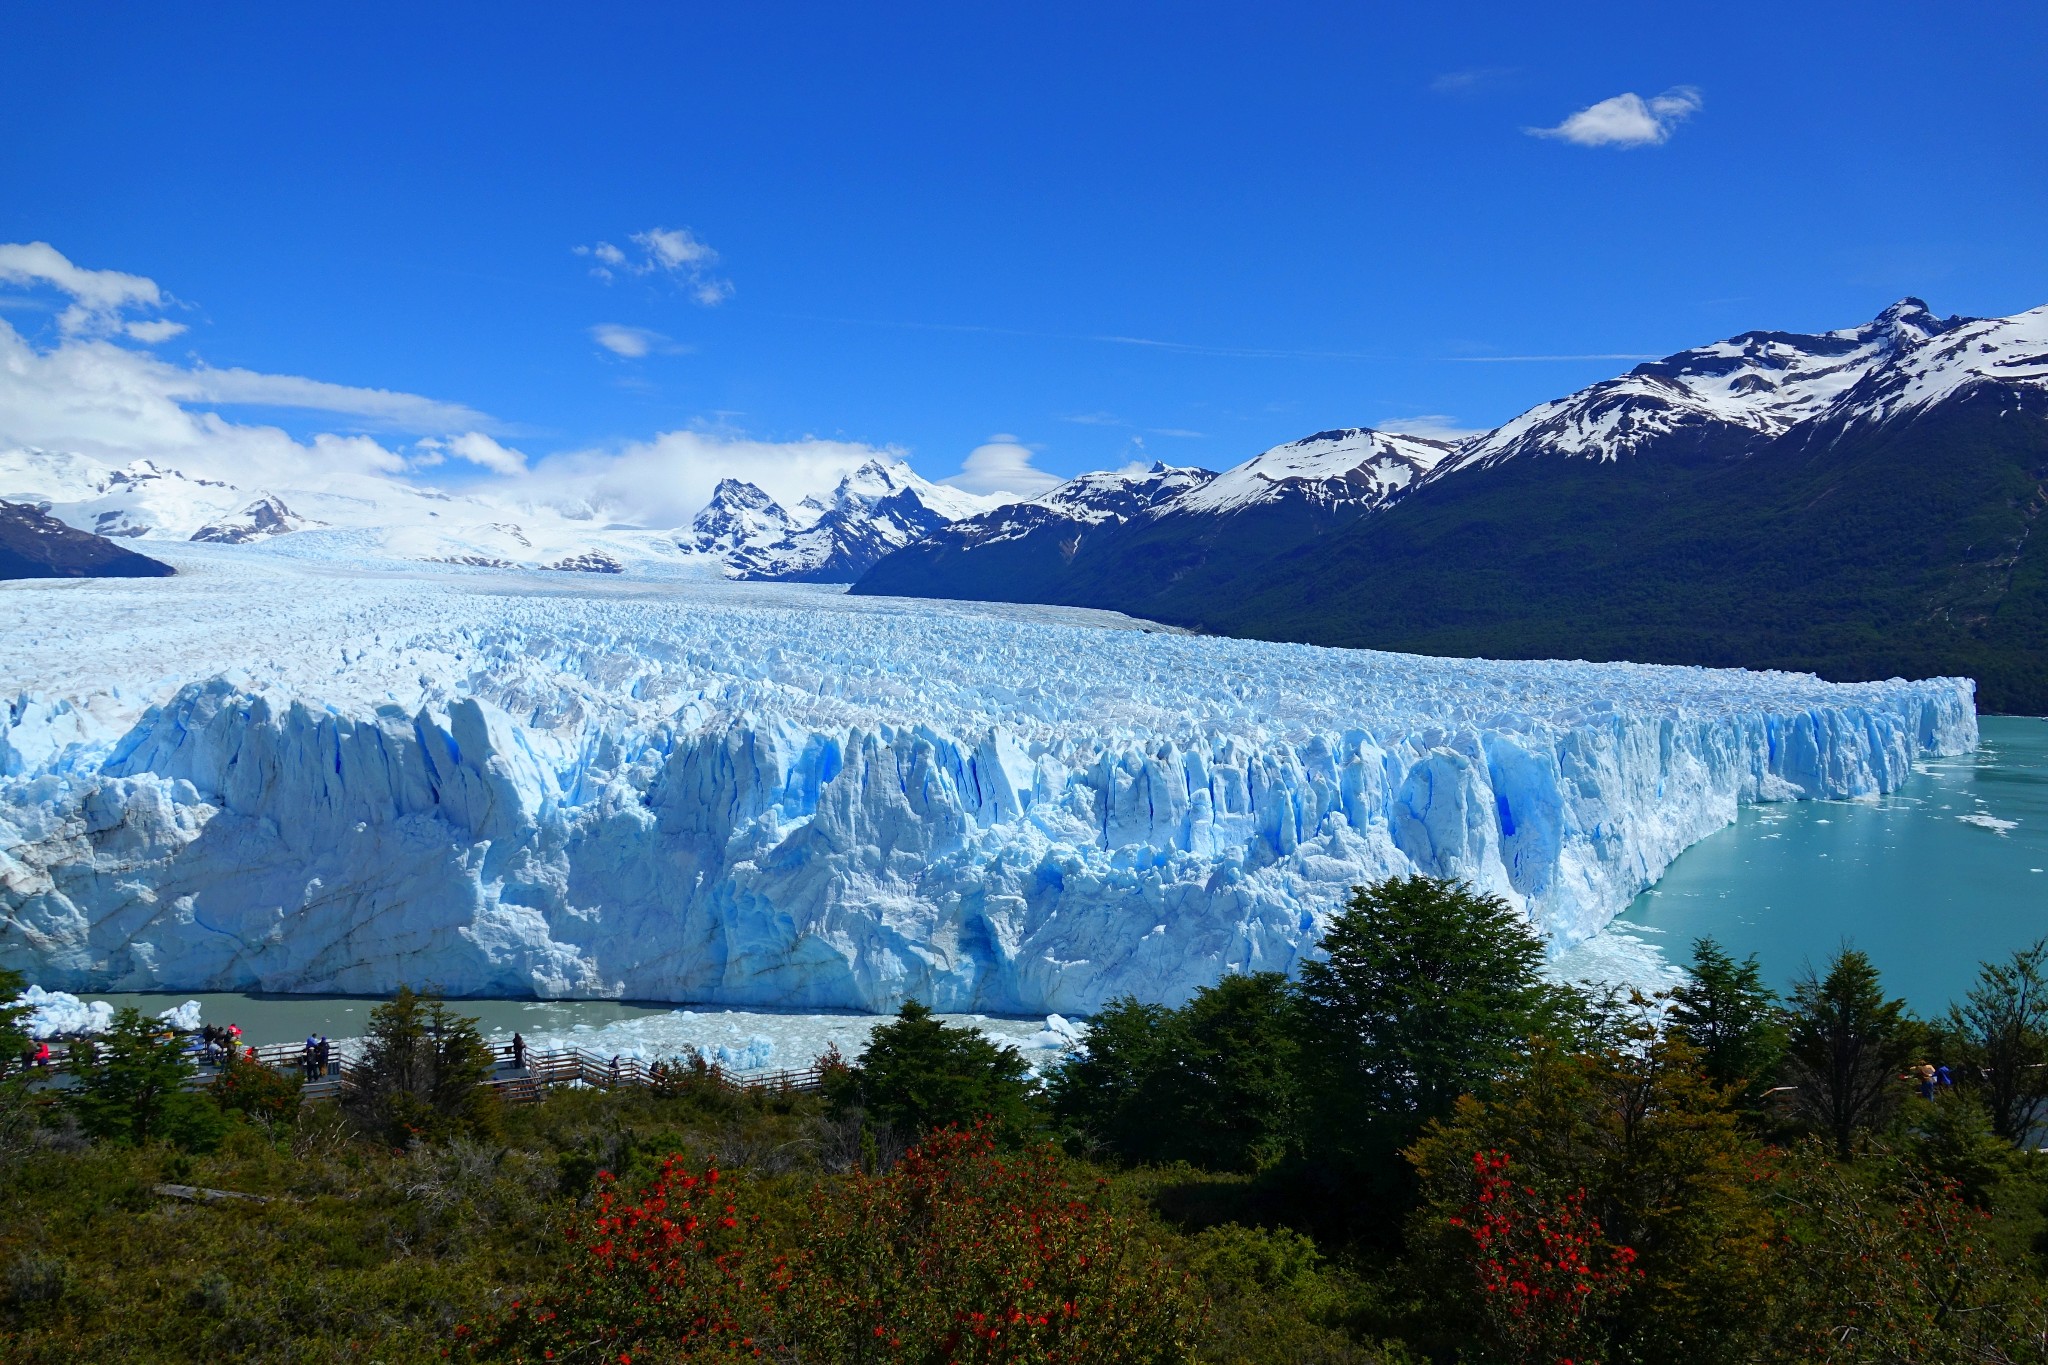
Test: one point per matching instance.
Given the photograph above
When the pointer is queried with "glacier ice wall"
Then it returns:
(769, 796)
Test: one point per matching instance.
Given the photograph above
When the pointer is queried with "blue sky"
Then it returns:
(1103, 232)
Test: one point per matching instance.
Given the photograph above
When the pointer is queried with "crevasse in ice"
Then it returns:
(302, 780)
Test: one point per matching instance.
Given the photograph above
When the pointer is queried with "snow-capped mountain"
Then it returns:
(139, 500)
(739, 514)
(742, 533)
(881, 506)
(1016, 551)
(1723, 396)
(266, 516)
(1860, 502)
(1351, 468)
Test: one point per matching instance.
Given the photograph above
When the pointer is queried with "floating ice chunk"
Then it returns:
(184, 1018)
(60, 1014)
(1990, 822)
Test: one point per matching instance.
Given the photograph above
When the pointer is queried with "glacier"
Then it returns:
(283, 772)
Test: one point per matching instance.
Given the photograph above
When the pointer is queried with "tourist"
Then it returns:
(321, 1055)
(518, 1053)
(615, 1068)
(43, 1055)
(1942, 1077)
(1926, 1073)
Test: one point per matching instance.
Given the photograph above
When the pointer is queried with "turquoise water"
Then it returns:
(1944, 873)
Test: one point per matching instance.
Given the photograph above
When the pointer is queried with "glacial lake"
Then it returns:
(1929, 881)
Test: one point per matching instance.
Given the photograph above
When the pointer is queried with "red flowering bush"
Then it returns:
(1544, 1270)
(674, 1274)
(960, 1254)
(966, 1254)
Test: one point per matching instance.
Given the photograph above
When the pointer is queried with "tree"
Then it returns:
(1730, 1018)
(1845, 1046)
(1212, 1082)
(14, 1039)
(131, 1087)
(918, 1074)
(1114, 1091)
(423, 1071)
(1426, 991)
(1996, 1041)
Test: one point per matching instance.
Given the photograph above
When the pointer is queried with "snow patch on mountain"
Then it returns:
(270, 774)
(881, 506)
(1352, 467)
(1761, 384)
(266, 516)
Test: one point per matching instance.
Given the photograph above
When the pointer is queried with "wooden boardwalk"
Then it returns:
(543, 1071)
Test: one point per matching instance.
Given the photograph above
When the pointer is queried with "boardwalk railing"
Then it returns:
(519, 1084)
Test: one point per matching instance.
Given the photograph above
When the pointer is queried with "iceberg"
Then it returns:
(275, 773)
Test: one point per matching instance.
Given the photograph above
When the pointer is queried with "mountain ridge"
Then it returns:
(1855, 503)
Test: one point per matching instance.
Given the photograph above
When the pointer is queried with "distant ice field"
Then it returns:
(290, 768)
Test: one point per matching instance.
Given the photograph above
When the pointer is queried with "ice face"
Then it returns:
(272, 773)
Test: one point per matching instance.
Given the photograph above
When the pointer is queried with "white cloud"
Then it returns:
(475, 447)
(97, 296)
(153, 332)
(674, 248)
(1002, 465)
(630, 342)
(676, 253)
(1432, 426)
(112, 404)
(1627, 120)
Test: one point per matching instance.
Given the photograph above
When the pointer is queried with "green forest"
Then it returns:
(1421, 1149)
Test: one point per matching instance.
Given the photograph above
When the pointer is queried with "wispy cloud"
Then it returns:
(1432, 426)
(675, 253)
(1181, 433)
(631, 342)
(384, 407)
(1627, 120)
(1470, 79)
(1539, 359)
(1095, 419)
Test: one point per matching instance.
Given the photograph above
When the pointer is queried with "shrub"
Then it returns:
(670, 1273)
(256, 1091)
(1542, 1269)
(1891, 1265)
(961, 1253)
